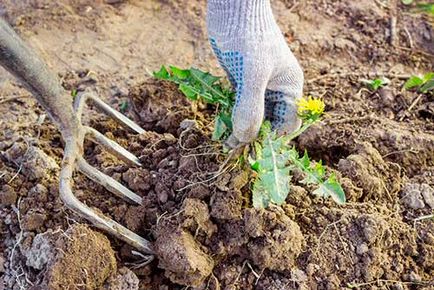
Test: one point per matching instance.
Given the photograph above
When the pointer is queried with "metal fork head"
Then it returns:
(26, 66)
(73, 159)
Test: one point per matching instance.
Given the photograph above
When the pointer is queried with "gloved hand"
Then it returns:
(267, 77)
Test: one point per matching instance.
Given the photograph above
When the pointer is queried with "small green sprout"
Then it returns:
(422, 84)
(124, 106)
(74, 93)
(197, 85)
(375, 84)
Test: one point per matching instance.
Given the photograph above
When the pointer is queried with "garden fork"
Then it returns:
(24, 64)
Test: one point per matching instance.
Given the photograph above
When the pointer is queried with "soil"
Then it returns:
(195, 210)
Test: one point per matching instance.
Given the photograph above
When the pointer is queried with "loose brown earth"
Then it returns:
(206, 234)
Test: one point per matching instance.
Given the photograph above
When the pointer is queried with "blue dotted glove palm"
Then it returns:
(267, 77)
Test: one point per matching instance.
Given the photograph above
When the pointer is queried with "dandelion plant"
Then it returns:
(275, 160)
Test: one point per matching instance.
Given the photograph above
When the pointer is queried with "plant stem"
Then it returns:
(275, 169)
(303, 128)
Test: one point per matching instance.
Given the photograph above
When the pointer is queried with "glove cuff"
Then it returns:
(240, 18)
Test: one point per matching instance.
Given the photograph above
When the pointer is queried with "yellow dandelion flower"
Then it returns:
(310, 107)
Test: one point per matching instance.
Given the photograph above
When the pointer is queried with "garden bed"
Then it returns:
(197, 207)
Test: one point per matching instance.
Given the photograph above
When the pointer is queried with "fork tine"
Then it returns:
(113, 147)
(109, 183)
(121, 118)
(78, 105)
(101, 221)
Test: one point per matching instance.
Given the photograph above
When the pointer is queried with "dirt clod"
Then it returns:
(125, 279)
(39, 192)
(8, 196)
(428, 195)
(34, 162)
(182, 258)
(137, 180)
(42, 251)
(417, 196)
(33, 220)
(82, 250)
(368, 170)
(412, 196)
(276, 240)
(226, 205)
(197, 217)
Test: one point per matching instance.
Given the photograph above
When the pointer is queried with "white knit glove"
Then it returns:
(267, 77)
